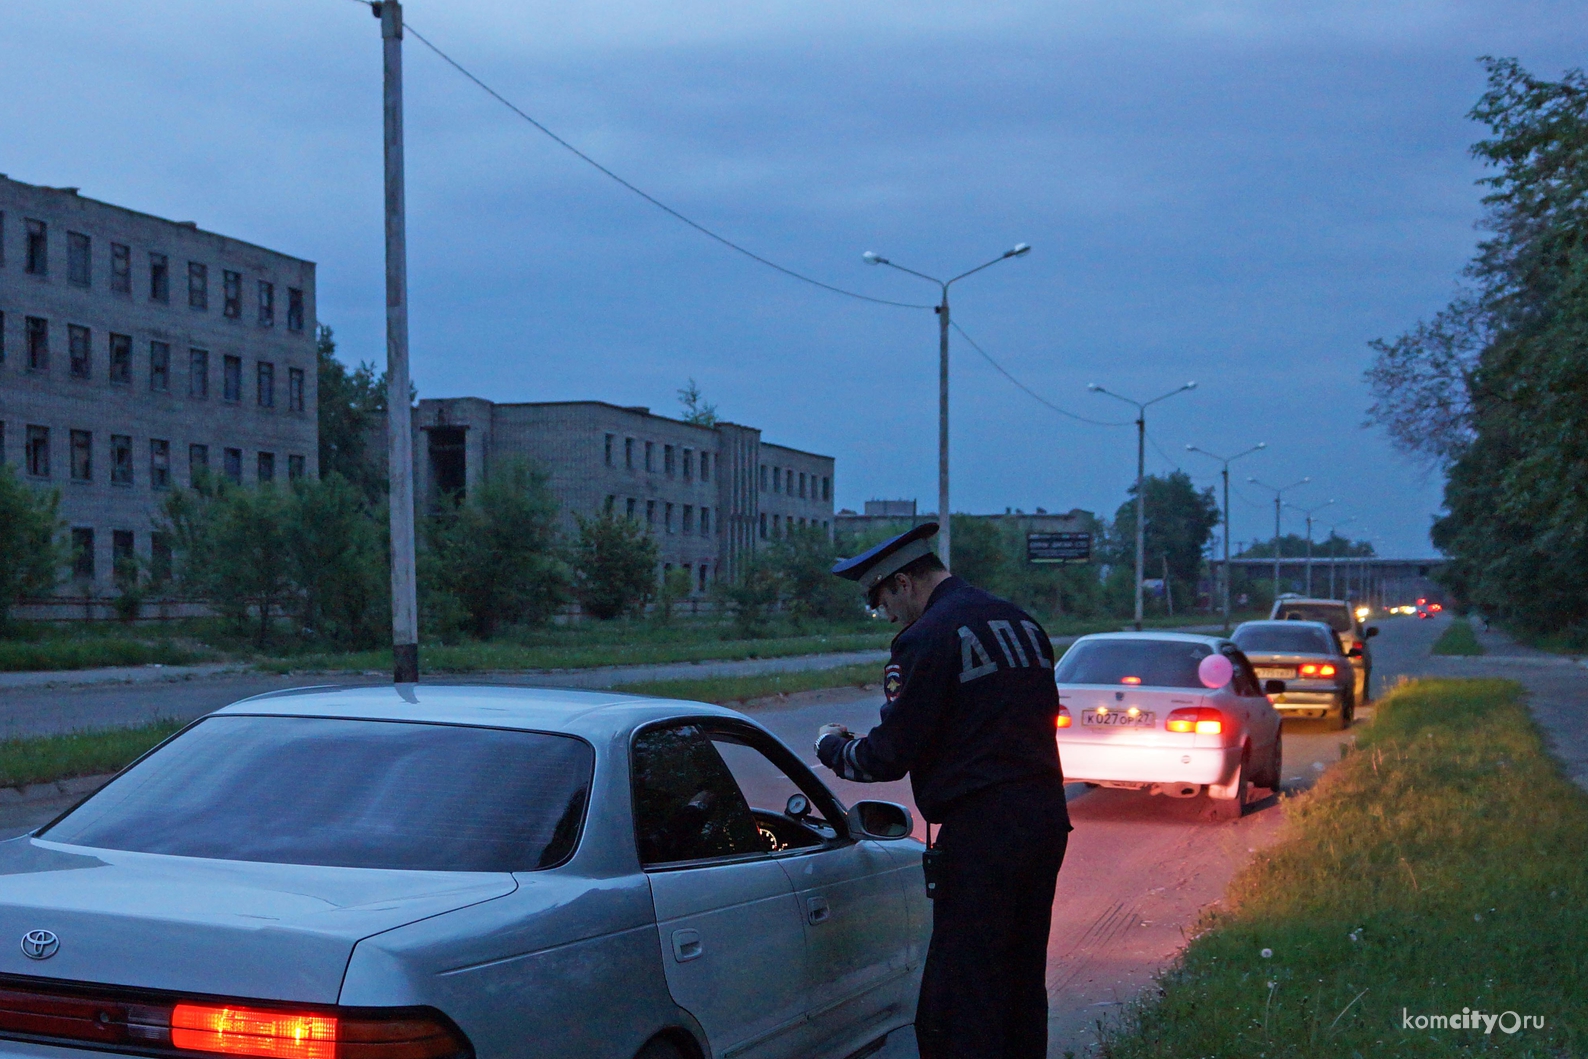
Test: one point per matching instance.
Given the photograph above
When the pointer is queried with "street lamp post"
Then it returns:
(1141, 474)
(1225, 472)
(1308, 512)
(1278, 494)
(1334, 560)
(944, 533)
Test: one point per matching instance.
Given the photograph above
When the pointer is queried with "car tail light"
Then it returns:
(159, 1024)
(1203, 720)
(1316, 669)
(1130, 680)
(1063, 720)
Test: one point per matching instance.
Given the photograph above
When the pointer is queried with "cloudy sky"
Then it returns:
(1239, 193)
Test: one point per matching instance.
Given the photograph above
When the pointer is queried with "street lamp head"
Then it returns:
(1262, 444)
(1020, 250)
(1094, 388)
(871, 258)
(1192, 448)
(1252, 480)
(1189, 386)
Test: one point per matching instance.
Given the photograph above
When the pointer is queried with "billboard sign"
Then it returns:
(1058, 547)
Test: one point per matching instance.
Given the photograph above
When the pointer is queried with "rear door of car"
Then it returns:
(731, 930)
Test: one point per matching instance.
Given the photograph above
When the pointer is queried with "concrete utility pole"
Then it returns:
(1308, 512)
(399, 424)
(1278, 494)
(1141, 475)
(1225, 471)
(1334, 560)
(944, 520)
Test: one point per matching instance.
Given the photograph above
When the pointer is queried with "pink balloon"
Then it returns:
(1215, 671)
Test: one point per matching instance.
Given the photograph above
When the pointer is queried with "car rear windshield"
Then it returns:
(1277, 639)
(347, 793)
(1150, 663)
(1336, 616)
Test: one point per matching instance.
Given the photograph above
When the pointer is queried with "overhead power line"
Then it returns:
(652, 199)
(1028, 390)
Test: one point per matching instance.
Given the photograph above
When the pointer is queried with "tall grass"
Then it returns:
(45, 759)
(1458, 639)
(1439, 868)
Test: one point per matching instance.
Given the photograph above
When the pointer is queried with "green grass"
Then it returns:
(83, 649)
(56, 757)
(496, 655)
(1439, 867)
(728, 690)
(1458, 639)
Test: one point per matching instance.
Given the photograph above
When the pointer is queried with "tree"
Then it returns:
(1495, 390)
(1180, 521)
(614, 563)
(30, 548)
(496, 554)
(803, 563)
(236, 550)
(751, 596)
(696, 409)
(351, 403)
(338, 559)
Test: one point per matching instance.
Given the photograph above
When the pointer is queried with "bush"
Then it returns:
(614, 562)
(30, 550)
(339, 562)
(803, 564)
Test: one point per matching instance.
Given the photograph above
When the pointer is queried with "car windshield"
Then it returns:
(1335, 615)
(1150, 663)
(346, 793)
(1280, 639)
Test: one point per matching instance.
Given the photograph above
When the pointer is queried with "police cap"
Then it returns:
(870, 568)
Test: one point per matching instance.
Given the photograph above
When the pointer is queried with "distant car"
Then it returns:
(1340, 616)
(1136, 712)
(463, 873)
(1307, 656)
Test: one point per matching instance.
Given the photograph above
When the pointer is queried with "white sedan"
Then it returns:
(1169, 713)
(452, 873)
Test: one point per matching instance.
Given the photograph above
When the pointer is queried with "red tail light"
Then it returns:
(1063, 720)
(1316, 669)
(160, 1024)
(1130, 680)
(1202, 720)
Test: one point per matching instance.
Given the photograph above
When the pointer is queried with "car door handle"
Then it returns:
(817, 910)
(686, 946)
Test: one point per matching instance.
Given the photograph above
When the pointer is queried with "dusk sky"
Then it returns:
(1243, 194)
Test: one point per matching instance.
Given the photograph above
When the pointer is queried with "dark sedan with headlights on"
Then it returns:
(1308, 657)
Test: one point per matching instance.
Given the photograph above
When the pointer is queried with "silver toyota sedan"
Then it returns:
(461, 872)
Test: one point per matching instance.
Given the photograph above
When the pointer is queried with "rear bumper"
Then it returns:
(1100, 763)
(1309, 703)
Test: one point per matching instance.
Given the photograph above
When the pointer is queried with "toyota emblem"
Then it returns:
(40, 944)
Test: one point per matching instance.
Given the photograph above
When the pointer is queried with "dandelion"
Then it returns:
(1355, 935)
(1267, 954)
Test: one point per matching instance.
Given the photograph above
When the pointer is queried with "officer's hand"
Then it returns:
(829, 730)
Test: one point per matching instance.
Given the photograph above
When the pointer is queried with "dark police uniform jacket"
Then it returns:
(971, 703)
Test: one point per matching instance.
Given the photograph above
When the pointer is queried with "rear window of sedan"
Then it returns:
(1283, 640)
(347, 793)
(1336, 616)
(1149, 663)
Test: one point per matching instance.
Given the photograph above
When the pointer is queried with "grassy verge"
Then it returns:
(56, 757)
(484, 657)
(59, 651)
(730, 690)
(1458, 639)
(1437, 869)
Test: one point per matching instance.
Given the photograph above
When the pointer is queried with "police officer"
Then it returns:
(970, 717)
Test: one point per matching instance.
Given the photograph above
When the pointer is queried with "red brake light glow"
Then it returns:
(1130, 680)
(250, 1031)
(1063, 720)
(1317, 669)
(1201, 720)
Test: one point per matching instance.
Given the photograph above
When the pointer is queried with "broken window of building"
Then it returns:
(266, 469)
(160, 366)
(689, 464)
(198, 463)
(38, 451)
(650, 513)
(120, 459)
(296, 467)
(121, 359)
(160, 564)
(79, 259)
(667, 460)
(294, 309)
(628, 453)
(705, 522)
(667, 516)
(232, 291)
(80, 351)
(82, 447)
(37, 331)
(83, 553)
(629, 507)
(233, 465)
(610, 439)
(295, 389)
(120, 269)
(266, 384)
(232, 378)
(37, 258)
(267, 304)
(689, 518)
(198, 373)
(198, 285)
(650, 452)
(159, 278)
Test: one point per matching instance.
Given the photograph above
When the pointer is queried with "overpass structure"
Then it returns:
(1377, 581)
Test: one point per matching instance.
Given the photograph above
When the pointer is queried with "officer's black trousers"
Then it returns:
(984, 991)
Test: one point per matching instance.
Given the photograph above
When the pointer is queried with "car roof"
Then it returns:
(1287, 623)
(592, 714)
(1152, 634)
(1311, 601)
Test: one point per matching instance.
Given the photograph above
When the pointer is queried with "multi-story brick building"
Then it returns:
(136, 353)
(708, 493)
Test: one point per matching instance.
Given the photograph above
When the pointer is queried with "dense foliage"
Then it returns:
(351, 405)
(30, 552)
(615, 566)
(1495, 387)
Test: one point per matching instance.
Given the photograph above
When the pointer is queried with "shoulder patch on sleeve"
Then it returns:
(892, 682)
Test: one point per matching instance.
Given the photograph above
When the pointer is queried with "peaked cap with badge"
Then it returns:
(875, 565)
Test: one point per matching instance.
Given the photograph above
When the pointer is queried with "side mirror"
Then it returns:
(1355, 652)
(1273, 687)
(1372, 631)
(880, 820)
